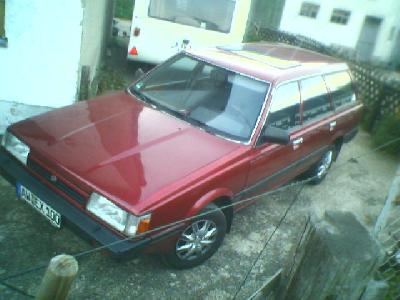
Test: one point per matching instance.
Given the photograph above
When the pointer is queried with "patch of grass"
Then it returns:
(386, 130)
(124, 9)
(394, 290)
(109, 80)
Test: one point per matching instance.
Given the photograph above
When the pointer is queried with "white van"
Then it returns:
(161, 28)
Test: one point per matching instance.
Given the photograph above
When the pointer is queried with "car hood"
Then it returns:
(121, 147)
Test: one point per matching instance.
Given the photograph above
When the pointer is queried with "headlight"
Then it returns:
(116, 216)
(16, 147)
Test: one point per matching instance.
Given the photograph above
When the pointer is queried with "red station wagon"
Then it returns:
(190, 138)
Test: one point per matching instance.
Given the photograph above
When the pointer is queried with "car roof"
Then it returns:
(272, 62)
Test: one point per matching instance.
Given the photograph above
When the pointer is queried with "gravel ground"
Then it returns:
(357, 184)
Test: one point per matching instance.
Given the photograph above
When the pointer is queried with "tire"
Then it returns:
(199, 240)
(319, 171)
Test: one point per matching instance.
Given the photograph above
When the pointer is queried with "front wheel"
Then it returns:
(318, 172)
(199, 240)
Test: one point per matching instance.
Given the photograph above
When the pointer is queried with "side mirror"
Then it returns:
(138, 73)
(276, 135)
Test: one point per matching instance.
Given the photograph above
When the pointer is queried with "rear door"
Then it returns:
(318, 120)
(344, 99)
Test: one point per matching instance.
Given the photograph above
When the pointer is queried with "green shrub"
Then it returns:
(369, 115)
(387, 130)
(2, 13)
(124, 9)
(109, 80)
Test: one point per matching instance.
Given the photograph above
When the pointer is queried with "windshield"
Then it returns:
(206, 14)
(220, 101)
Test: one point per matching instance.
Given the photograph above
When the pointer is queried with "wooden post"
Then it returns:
(339, 257)
(58, 278)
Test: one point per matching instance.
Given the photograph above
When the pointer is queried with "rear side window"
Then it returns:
(341, 88)
(315, 98)
(284, 111)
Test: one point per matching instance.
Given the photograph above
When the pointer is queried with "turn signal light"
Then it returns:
(144, 225)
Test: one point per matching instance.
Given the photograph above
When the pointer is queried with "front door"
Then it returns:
(273, 164)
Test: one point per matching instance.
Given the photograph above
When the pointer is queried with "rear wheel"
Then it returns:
(199, 240)
(318, 172)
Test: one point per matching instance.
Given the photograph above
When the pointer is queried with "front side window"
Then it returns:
(220, 101)
(284, 111)
(315, 98)
(206, 14)
(340, 16)
(341, 88)
(309, 10)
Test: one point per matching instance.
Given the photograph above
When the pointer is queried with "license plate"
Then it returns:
(53, 216)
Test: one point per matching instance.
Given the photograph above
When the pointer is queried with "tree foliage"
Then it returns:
(387, 130)
(124, 9)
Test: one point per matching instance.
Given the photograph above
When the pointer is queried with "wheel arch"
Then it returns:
(220, 197)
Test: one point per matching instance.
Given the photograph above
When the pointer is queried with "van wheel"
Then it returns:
(321, 168)
(199, 240)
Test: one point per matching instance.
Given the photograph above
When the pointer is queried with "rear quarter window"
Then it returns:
(341, 88)
(315, 98)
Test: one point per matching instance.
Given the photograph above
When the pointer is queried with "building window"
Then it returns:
(340, 16)
(309, 10)
(3, 39)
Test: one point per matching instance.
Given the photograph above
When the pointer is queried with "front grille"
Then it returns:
(58, 184)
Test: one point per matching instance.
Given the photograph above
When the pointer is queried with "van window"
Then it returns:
(341, 88)
(207, 14)
(284, 111)
(315, 98)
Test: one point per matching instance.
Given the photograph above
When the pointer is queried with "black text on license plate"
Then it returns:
(53, 216)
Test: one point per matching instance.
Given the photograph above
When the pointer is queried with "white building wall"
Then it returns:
(95, 24)
(321, 28)
(40, 65)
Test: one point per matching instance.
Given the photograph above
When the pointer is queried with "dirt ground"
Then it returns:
(358, 182)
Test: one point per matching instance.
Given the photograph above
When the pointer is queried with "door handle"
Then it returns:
(297, 142)
(332, 125)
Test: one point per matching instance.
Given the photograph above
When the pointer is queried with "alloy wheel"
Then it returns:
(196, 240)
(325, 164)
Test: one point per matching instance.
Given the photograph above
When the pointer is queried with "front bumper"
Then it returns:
(75, 218)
